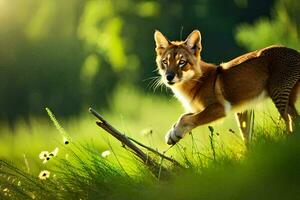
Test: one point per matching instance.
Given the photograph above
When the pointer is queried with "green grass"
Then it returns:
(225, 171)
(269, 171)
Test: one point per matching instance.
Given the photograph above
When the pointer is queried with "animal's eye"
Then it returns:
(165, 62)
(182, 63)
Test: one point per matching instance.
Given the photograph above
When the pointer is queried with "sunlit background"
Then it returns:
(68, 55)
(71, 54)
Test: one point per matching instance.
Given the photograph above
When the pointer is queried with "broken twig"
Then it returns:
(155, 167)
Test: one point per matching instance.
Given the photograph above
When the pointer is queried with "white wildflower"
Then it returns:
(44, 175)
(43, 155)
(54, 152)
(66, 141)
(146, 132)
(106, 153)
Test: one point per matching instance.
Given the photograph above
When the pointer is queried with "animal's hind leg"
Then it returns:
(290, 118)
(284, 101)
(282, 104)
(245, 122)
(291, 109)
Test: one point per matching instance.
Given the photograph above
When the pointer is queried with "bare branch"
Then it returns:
(155, 151)
(155, 167)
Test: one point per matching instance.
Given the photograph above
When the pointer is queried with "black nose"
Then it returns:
(170, 76)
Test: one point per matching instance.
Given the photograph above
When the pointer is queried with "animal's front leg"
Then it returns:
(189, 121)
(178, 130)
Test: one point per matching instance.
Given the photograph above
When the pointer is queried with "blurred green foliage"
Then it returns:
(70, 54)
(282, 28)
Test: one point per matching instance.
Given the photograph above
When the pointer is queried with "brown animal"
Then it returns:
(208, 91)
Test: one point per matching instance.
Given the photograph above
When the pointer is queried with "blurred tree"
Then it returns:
(121, 32)
(72, 53)
(40, 57)
(282, 28)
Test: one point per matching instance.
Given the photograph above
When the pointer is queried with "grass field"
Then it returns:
(93, 165)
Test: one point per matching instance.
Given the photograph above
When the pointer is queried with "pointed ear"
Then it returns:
(193, 41)
(161, 41)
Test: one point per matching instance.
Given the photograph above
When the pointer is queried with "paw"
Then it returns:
(173, 136)
(176, 133)
(179, 129)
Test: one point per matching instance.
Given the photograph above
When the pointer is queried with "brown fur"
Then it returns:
(208, 90)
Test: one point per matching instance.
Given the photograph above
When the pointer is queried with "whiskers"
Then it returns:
(155, 82)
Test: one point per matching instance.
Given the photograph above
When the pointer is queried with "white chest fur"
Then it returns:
(183, 99)
(189, 105)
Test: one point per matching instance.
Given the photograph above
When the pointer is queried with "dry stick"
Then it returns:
(149, 162)
(133, 140)
(154, 151)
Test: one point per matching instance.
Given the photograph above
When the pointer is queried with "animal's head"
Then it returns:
(178, 61)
